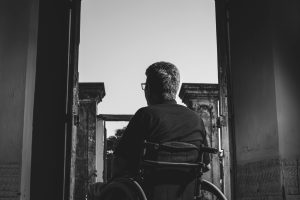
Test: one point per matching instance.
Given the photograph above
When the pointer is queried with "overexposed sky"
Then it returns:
(121, 38)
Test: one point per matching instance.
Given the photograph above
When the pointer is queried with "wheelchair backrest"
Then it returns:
(171, 152)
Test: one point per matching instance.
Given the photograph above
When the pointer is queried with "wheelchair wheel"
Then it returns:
(210, 192)
(122, 189)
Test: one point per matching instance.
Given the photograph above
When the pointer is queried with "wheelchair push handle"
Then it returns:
(209, 150)
(180, 146)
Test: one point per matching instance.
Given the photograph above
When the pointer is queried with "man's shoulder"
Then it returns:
(165, 108)
(145, 111)
(142, 110)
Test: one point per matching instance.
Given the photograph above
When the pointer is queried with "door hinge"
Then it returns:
(76, 120)
(221, 154)
(221, 121)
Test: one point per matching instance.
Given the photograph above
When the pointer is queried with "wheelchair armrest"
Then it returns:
(180, 146)
(153, 163)
(175, 146)
(209, 150)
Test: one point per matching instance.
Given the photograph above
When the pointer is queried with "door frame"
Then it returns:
(55, 77)
(58, 37)
(226, 106)
(110, 118)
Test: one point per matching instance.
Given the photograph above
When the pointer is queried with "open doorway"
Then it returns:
(119, 40)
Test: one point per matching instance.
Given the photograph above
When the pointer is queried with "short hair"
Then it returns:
(163, 78)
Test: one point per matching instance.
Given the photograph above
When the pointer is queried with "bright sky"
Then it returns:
(121, 38)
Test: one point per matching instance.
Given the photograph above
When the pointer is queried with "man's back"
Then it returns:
(161, 123)
(169, 121)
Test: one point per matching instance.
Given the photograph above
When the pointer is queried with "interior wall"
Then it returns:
(253, 81)
(17, 77)
(258, 168)
(14, 33)
(264, 47)
(287, 73)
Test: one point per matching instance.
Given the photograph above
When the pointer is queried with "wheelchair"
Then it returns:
(129, 188)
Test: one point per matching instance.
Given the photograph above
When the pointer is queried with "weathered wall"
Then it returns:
(203, 99)
(90, 94)
(253, 81)
(287, 64)
(85, 148)
(18, 36)
(287, 73)
(13, 55)
(264, 39)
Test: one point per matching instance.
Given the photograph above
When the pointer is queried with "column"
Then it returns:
(90, 94)
(203, 98)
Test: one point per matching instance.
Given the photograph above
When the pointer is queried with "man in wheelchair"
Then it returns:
(165, 125)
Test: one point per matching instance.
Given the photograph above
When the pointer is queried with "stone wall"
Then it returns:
(259, 180)
(264, 49)
(203, 99)
(270, 179)
(10, 181)
(90, 94)
(84, 150)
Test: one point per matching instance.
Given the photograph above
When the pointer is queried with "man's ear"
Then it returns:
(148, 95)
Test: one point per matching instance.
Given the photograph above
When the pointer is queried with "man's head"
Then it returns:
(162, 82)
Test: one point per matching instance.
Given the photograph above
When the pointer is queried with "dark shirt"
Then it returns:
(160, 123)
